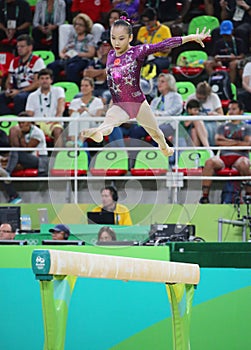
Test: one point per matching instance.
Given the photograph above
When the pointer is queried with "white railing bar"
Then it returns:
(88, 177)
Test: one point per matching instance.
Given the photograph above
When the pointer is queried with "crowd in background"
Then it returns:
(78, 34)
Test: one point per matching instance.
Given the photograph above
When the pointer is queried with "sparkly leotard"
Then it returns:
(123, 74)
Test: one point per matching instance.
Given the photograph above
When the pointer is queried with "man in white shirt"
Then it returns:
(48, 101)
(22, 77)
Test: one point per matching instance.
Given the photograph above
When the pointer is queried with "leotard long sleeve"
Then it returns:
(123, 74)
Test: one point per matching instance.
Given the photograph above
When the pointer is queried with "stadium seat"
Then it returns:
(110, 163)
(191, 162)
(189, 64)
(46, 55)
(65, 164)
(71, 90)
(6, 125)
(185, 89)
(225, 103)
(5, 59)
(210, 22)
(150, 163)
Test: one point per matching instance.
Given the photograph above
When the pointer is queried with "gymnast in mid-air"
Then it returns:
(123, 67)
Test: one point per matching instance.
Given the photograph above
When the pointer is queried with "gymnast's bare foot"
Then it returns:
(168, 151)
(93, 134)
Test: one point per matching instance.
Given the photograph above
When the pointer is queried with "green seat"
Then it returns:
(150, 163)
(191, 162)
(71, 89)
(46, 55)
(65, 163)
(192, 59)
(110, 163)
(234, 91)
(210, 22)
(185, 89)
(6, 125)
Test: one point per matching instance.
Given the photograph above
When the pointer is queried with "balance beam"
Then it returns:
(58, 262)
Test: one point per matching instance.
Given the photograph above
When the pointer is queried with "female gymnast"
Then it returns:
(123, 75)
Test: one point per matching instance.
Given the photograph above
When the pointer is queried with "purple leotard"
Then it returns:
(123, 74)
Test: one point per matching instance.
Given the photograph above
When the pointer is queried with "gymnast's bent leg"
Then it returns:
(115, 116)
(147, 119)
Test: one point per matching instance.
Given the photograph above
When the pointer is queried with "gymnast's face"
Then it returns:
(120, 39)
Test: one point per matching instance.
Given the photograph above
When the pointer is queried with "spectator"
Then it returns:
(239, 12)
(78, 51)
(48, 16)
(25, 135)
(96, 10)
(230, 134)
(22, 77)
(85, 106)
(15, 19)
(6, 232)
(227, 51)
(245, 95)
(48, 101)
(196, 128)
(154, 32)
(109, 203)
(60, 232)
(210, 104)
(106, 233)
(169, 14)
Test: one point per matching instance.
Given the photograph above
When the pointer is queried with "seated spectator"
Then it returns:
(25, 135)
(15, 20)
(60, 232)
(239, 12)
(196, 128)
(85, 106)
(109, 197)
(154, 32)
(48, 101)
(76, 55)
(230, 134)
(97, 71)
(48, 16)
(6, 232)
(227, 52)
(169, 14)
(96, 10)
(210, 104)
(245, 95)
(106, 234)
(22, 77)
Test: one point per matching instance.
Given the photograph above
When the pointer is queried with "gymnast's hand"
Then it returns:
(198, 37)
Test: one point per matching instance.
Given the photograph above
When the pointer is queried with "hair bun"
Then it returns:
(124, 18)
